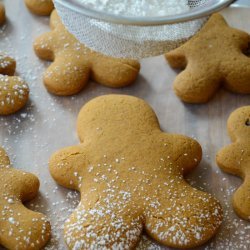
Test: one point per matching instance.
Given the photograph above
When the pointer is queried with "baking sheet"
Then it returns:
(48, 124)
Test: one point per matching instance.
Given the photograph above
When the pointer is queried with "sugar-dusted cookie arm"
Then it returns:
(186, 153)
(20, 227)
(212, 58)
(235, 158)
(74, 64)
(68, 165)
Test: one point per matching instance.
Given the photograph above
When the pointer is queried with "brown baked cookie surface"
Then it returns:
(20, 228)
(74, 64)
(14, 91)
(40, 7)
(213, 57)
(130, 176)
(2, 14)
(235, 158)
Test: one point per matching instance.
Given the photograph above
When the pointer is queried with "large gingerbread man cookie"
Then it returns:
(212, 58)
(130, 175)
(14, 91)
(40, 7)
(20, 228)
(235, 158)
(74, 63)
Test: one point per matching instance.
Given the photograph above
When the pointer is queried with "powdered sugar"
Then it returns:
(139, 7)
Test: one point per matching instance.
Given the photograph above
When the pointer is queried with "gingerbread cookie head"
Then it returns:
(235, 158)
(74, 63)
(130, 175)
(213, 57)
(20, 228)
(14, 92)
(40, 7)
(2, 14)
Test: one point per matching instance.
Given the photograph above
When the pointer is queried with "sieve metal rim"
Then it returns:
(196, 13)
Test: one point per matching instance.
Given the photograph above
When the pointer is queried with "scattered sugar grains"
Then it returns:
(139, 7)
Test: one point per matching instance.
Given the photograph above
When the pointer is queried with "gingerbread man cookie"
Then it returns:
(130, 175)
(40, 7)
(74, 63)
(14, 92)
(213, 57)
(2, 14)
(20, 228)
(235, 158)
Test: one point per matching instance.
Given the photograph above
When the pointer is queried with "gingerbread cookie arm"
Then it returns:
(229, 159)
(44, 46)
(187, 218)
(114, 72)
(66, 166)
(186, 153)
(66, 75)
(40, 7)
(177, 58)
(7, 65)
(2, 14)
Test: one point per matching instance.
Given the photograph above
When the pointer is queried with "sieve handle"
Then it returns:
(241, 3)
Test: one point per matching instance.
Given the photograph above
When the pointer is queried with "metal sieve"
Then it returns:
(135, 37)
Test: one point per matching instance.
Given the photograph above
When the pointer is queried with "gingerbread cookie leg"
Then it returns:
(235, 158)
(188, 224)
(20, 228)
(193, 84)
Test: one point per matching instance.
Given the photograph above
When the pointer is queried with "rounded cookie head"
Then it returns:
(235, 158)
(130, 175)
(40, 7)
(20, 228)
(74, 64)
(2, 14)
